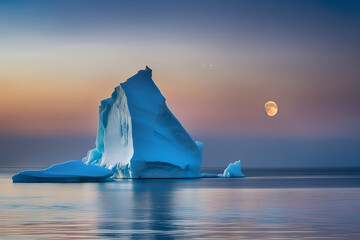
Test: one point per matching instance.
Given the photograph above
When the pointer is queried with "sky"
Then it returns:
(216, 62)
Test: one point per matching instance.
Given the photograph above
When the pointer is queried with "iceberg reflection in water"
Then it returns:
(235, 208)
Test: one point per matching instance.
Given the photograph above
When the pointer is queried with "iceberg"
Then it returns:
(71, 171)
(233, 170)
(139, 137)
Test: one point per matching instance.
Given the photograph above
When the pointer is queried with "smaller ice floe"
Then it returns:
(233, 170)
(71, 171)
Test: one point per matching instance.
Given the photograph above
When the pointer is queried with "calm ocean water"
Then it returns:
(265, 205)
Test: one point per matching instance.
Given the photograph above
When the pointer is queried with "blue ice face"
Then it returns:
(139, 137)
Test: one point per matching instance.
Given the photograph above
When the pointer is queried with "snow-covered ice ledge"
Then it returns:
(71, 171)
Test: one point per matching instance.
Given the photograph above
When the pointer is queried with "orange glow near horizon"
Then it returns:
(205, 104)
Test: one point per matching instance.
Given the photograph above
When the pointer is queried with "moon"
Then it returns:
(271, 108)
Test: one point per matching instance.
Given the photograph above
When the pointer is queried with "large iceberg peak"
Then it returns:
(148, 70)
(139, 137)
(145, 74)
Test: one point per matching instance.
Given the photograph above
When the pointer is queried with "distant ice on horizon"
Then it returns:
(233, 170)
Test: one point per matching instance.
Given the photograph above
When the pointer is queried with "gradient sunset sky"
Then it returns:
(216, 62)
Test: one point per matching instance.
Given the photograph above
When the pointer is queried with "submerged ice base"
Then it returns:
(139, 137)
(71, 171)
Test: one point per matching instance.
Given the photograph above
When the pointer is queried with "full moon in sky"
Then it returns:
(271, 108)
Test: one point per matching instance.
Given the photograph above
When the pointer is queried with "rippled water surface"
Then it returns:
(270, 207)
